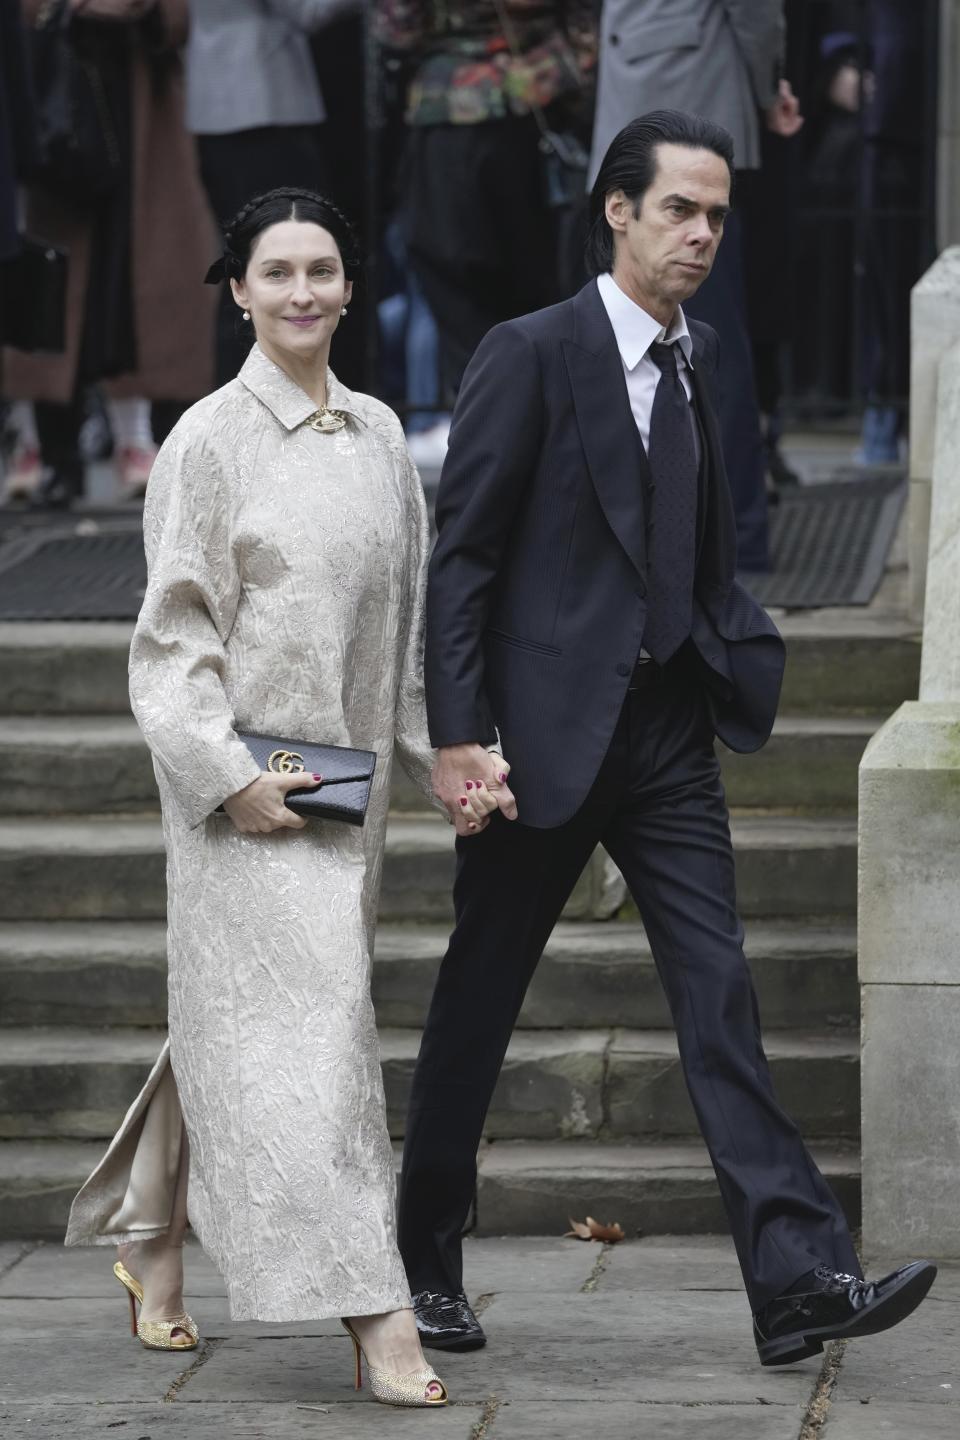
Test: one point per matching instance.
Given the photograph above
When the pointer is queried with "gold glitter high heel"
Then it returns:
(156, 1334)
(397, 1389)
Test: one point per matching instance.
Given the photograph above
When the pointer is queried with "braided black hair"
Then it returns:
(288, 202)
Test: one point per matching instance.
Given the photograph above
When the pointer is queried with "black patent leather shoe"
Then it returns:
(832, 1306)
(446, 1322)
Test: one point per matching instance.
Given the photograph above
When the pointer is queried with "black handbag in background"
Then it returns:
(79, 149)
(33, 297)
(344, 792)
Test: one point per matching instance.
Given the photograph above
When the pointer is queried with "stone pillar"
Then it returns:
(934, 327)
(948, 127)
(909, 899)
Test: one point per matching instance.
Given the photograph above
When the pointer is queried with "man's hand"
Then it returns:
(783, 116)
(472, 783)
(259, 808)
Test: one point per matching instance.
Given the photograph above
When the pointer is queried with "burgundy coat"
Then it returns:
(174, 240)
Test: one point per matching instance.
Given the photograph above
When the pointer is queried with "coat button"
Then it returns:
(623, 669)
(614, 39)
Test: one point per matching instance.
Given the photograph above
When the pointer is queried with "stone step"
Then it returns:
(98, 973)
(533, 1188)
(524, 1188)
(74, 1083)
(858, 663)
(107, 868)
(809, 763)
(64, 668)
(848, 664)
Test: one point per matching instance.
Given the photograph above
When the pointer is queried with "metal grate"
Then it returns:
(71, 576)
(829, 543)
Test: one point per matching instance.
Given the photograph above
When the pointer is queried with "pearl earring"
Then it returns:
(246, 315)
(344, 310)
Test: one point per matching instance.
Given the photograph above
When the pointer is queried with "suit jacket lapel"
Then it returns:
(608, 433)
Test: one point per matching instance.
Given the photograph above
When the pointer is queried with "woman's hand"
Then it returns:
(126, 11)
(259, 808)
(472, 783)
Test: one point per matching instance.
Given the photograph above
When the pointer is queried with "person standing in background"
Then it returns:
(254, 104)
(720, 59)
(125, 248)
(16, 124)
(896, 244)
(479, 228)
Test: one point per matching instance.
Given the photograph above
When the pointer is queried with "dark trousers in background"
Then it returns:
(479, 232)
(721, 302)
(234, 169)
(58, 430)
(659, 809)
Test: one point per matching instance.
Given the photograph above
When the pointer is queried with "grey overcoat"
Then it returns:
(716, 58)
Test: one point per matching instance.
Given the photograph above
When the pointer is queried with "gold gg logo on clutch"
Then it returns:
(285, 762)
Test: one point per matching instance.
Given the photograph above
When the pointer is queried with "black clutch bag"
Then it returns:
(344, 792)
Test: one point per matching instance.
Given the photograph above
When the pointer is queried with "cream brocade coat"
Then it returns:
(285, 597)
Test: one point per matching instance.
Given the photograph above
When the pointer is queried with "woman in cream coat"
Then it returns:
(286, 539)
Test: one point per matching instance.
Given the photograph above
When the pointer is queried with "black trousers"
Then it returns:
(659, 808)
(479, 232)
(236, 167)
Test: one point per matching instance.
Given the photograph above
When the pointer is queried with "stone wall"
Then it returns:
(909, 853)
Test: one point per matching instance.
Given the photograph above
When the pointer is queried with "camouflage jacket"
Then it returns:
(469, 67)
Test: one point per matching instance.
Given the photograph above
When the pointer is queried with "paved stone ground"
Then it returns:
(650, 1338)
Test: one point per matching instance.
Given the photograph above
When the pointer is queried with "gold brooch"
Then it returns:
(326, 421)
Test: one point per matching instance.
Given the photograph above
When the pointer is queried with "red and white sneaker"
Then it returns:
(133, 468)
(22, 480)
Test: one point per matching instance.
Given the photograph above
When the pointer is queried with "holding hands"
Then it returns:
(471, 782)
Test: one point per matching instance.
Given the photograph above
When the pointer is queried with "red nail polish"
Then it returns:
(318, 778)
(469, 785)
(503, 779)
(479, 784)
(463, 800)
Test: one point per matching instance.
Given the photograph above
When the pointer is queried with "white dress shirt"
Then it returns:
(635, 331)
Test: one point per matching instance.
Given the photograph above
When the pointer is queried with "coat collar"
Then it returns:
(283, 396)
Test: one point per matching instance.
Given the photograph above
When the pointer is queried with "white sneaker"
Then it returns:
(428, 448)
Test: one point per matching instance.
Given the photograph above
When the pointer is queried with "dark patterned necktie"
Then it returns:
(672, 521)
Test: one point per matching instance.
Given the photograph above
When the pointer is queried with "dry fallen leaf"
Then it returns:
(592, 1230)
(610, 1234)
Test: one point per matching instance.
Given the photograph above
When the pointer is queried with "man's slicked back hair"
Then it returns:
(630, 165)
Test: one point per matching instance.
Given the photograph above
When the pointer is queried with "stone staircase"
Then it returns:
(591, 1113)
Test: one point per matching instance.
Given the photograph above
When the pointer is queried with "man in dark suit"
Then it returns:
(583, 610)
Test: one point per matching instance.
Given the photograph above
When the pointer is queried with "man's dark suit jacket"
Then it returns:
(537, 593)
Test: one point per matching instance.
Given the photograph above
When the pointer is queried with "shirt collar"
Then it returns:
(283, 396)
(635, 331)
